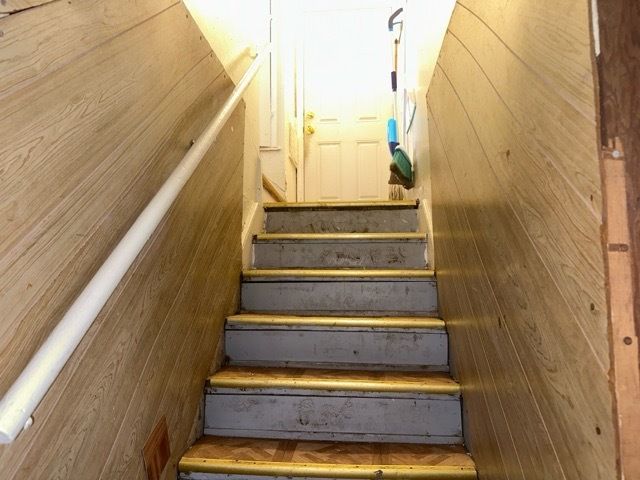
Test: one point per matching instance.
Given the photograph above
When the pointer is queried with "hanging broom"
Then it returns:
(401, 170)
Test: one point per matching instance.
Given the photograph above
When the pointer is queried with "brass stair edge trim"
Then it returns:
(292, 469)
(341, 236)
(373, 322)
(383, 386)
(341, 272)
(381, 204)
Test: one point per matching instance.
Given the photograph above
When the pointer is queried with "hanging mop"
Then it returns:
(401, 170)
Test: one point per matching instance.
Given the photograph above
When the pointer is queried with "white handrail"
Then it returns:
(20, 401)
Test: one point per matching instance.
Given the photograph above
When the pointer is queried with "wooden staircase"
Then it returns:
(338, 363)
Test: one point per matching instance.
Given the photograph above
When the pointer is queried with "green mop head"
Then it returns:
(401, 172)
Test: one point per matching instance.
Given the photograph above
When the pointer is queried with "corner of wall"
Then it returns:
(252, 224)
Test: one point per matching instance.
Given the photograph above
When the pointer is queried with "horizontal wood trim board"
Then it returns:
(100, 101)
(516, 216)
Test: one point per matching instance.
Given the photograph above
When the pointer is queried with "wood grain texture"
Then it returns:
(289, 458)
(619, 82)
(12, 6)
(88, 143)
(517, 215)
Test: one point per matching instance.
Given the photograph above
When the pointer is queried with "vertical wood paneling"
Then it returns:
(91, 129)
(516, 213)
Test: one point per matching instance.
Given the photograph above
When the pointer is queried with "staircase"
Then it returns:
(338, 363)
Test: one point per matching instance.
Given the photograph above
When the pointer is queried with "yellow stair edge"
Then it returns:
(342, 236)
(436, 383)
(379, 204)
(339, 272)
(278, 469)
(319, 321)
(326, 459)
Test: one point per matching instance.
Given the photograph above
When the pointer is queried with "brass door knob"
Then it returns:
(310, 129)
(309, 115)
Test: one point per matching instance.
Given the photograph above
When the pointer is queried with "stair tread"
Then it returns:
(354, 205)
(416, 273)
(432, 323)
(340, 236)
(334, 379)
(328, 459)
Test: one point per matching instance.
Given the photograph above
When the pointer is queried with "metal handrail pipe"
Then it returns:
(28, 390)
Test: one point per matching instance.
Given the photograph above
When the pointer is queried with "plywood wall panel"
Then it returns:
(550, 37)
(44, 39)
(516, 230)
(505, 383)
(540, 198)
(60, 117)
(88, 144)
(12, 6)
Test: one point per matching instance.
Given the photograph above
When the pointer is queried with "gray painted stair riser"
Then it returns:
(363, 254)
(347, 221)
(379, 418)
(383, 297)
(347, 348)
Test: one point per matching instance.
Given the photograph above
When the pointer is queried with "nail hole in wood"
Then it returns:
(627, 340)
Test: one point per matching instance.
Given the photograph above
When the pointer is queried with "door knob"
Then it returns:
(309, 115)
(310, 129)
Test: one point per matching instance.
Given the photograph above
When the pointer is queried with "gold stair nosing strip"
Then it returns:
(366, 322)
(341, 273)
(341, 205)
(291, 469)
(385, 386)
(343, 236)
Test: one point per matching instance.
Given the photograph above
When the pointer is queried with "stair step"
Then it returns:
(215, 458)
(304, 274)
(340, 291)
(407, 343)
(352, 205)
(387, 216)
(345, 405)
(254, 320)
(334, 380)
(340, 250)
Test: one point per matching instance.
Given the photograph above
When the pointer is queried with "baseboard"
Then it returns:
(253, 225)
(424, 225)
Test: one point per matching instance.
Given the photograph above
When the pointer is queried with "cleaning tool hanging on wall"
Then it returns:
(401, 169)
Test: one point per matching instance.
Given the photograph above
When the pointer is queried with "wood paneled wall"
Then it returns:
(99, 101)
(517, 214)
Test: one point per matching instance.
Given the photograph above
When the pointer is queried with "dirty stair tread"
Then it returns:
(262, 320)
(248, 377)
(327, 459)
(339, 236)
(354, 205)
(334, 273)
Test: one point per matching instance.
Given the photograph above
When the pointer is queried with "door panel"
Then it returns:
(347, 92)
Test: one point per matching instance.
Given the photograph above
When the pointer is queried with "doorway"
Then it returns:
(347, 100)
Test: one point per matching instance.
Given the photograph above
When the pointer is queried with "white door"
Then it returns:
(347, 102)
